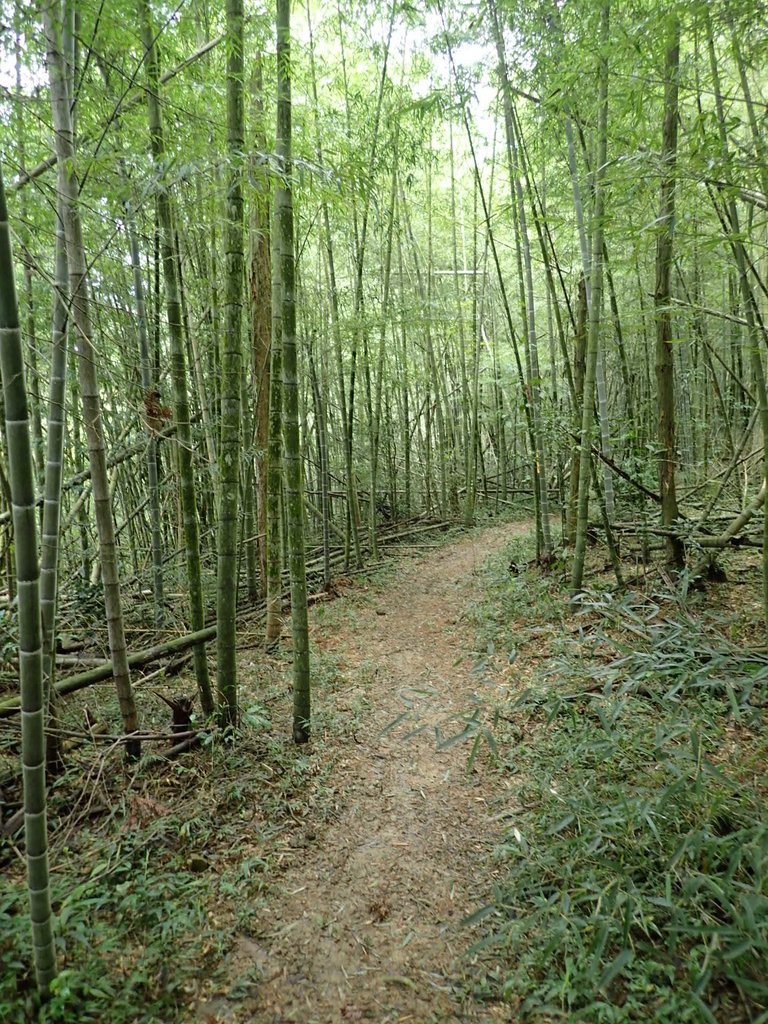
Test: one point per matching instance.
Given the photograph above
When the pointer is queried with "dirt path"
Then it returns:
(367, 922)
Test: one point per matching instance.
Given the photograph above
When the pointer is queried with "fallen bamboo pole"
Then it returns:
(82, 680)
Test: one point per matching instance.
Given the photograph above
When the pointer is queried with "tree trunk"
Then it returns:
(178, 366)
(51, 524)
(152, 422)
(89, 387)
(274, 622)
(231, 369)
(293, 482)
(662, 295)
(261, 310)
(595, 306)
(22, 482)
(757, 334)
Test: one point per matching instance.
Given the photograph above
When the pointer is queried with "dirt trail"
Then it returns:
(367, 922)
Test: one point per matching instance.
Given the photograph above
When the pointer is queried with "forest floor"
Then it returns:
(367, 921)
(514, 807)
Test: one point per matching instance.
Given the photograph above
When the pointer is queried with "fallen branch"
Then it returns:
(96, 675)
(729, 534)
(622, 472)
(82, 680)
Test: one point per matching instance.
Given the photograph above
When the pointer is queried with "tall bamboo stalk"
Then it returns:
(274, 583)
(757, 334)
(664, 342)
(151, 400)
(261, 307)
(527, 301)
(352, 516)
(595, 307)
(50, 532)
(178, 362)
(22, 482)
(231, 369)
(293, 482)
(89, 387)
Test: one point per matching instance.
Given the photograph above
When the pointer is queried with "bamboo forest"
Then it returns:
(383, 522)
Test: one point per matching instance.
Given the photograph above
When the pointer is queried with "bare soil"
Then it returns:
(366, 923)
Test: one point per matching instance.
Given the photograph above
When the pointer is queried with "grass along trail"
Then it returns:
(366, 922)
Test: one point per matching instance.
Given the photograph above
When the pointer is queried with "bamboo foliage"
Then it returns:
(436, 319)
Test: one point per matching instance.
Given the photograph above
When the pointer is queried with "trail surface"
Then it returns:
(366, 923)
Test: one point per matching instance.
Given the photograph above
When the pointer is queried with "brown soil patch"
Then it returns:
(367, 922)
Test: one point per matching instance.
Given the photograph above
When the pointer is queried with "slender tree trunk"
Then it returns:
(22, 481)
(360, 240)
(178, 365)
(261, 309)
(579, 369)
(152, 422)
(50, 533)
(152, 405)
(89, 388)
(757, 334)
(231, 370)
(375, 406)
(352, 518)
(474, 431)
(194, 359)
(499, 276)
(274, 619)
(34, 396)
(595, 306)
(551, 264)
(323, 476)
(458, 297)
(293, 483)
(527, 302)
(600, 382)
(662, 294)
(51, 526)
(424, 283)
(404, 378)
(584, 242)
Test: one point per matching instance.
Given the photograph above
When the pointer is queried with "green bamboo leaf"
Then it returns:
(465, 734)
(395, 722)
(478, 915)
(473, 753)
(624, 959)
(562, 824)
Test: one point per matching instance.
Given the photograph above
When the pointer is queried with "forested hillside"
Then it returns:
(285, 288)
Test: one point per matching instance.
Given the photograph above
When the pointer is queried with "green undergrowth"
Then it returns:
(157, 870)
(635, 849)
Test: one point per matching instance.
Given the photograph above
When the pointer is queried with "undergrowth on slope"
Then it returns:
(635, 855)
(158, 870)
